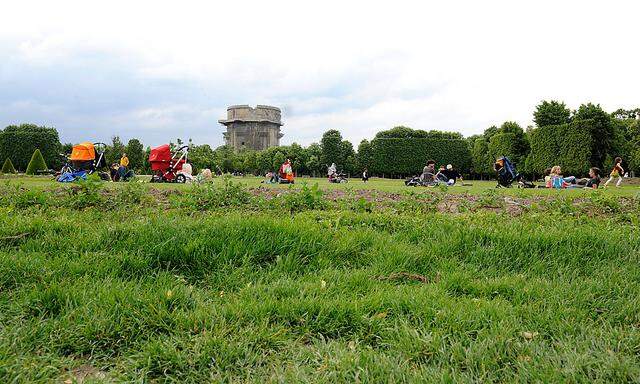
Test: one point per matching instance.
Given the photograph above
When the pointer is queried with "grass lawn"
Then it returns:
(376, 282)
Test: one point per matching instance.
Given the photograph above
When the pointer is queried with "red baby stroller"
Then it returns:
(167, 165)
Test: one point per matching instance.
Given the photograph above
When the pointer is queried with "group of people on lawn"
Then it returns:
(446, 175)
(555, 179)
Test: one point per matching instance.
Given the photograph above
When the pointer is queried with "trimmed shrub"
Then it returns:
(36, 164)
(482, 162)
(7, 167)
(407, 156)
(17, 142)
(567, 145)
(504, 144)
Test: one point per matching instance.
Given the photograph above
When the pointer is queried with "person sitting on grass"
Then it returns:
(270, 178)
(113, 172)
(594, 178)
(547, 178)
(617, 171)
(428, 173)
(452, 175)
(559, 181)
(441, 177)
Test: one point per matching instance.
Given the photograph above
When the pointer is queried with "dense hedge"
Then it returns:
(19, 142)
(504, 144)
(407, 156)
(567, 145)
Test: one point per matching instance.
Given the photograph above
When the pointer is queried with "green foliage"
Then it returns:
(627, 114)
(634, 143)
(567, 145)
(86, 193)
(7, 166)
(278, 160)
(551, 113)
(365, 155)
(36, 163)
(332, 149)
(504, 144)
(226, 193)
(178, 295)
(601, 130)
(482, 162)
(202, 157)
(304, 199)
(135, 153)
(408, 155)
(489, 132)
(114, 151)
(19, 142)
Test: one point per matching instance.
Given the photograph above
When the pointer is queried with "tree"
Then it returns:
(201, 157)
(519, 148)
(331, 144)
(18, 141)
(278, 160)
(347, 157)
(551, 113)
(481, 159)
(624, 114)
(489, 132)
(114, 151)
(135, 153)
(601, 130)
(634, 141)
(7, 167)
(36, 163)
(314, 155)
(365, 156)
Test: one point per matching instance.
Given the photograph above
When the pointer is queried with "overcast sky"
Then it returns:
(162, 70)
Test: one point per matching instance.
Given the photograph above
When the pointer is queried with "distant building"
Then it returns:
(252, 128)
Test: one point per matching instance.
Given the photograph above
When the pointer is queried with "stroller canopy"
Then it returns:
(160, 157)
(83, 152)
(160, 154)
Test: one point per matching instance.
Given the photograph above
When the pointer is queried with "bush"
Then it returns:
(567, 145)
(7, 167)
(36, 164)
(210, 196)
(504, 144)
(305, 199)
(17, 142)
(406, 156)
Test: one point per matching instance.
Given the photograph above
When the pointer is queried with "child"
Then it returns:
(547, 178)
(617, 171)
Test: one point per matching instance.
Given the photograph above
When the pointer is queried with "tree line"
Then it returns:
(577, 140)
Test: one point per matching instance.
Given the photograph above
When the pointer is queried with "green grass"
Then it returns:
(199, 284)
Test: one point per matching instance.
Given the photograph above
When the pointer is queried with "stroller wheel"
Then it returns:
(181, 179)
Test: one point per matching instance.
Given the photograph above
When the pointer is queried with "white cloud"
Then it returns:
(156, 69)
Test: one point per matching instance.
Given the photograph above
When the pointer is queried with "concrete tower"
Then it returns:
(252, 128)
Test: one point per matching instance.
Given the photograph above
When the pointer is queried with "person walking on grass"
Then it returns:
(617, 171)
